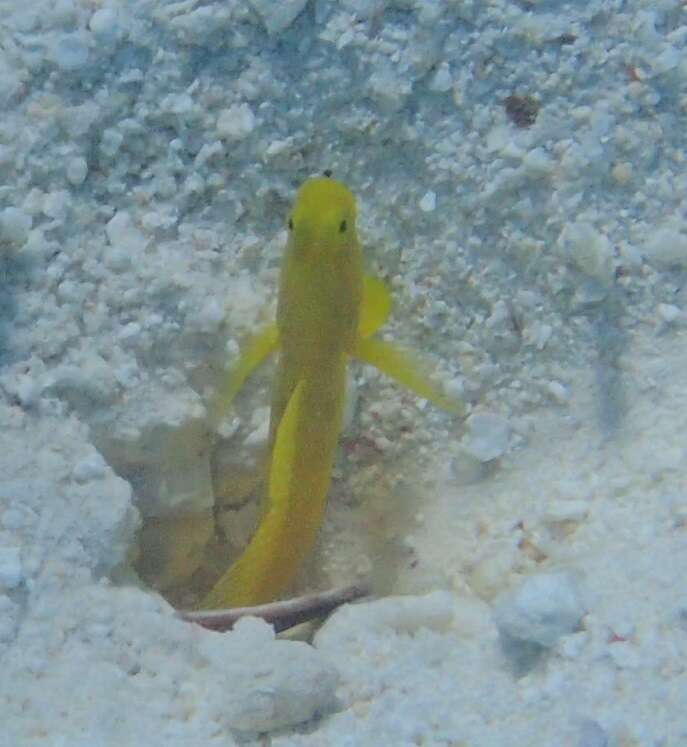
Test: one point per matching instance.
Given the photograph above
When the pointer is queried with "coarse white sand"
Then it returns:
(520, 171)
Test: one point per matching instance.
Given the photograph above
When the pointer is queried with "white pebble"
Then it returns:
(488, 576)
(666, 60)
(130, 332)
(63, 12)
(429, 202)
(538, 334)
(592, 735)
(389, 88)
(56, 204)
(622, 172)
(260, 423)
(441, 80)
(538, 162)
(91, 468)
(123, 234)
(110, 142)
(668, 312)
(277, 17)
(588, 249)
(563, 511)
(558, 392)
(27, 390)
(15, 225)
(402, 614)
(77, 169)
(118, 259)
(487, 437)
(210, 315)
(11, 571)
(70, 52)
(667, 246)
(104, 23)
(236, 122)
(544, 608)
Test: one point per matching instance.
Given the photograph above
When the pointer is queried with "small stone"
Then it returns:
(11, 571)
(236, 122)
(558, 392)
(538, 333)
(28, 391)
(544, 608)
(70, 52)
(271, 695)
(124, 236)
(91, 468)
(56, 204)
(104, 23)
(388, 88)
(538, 162)
(592, 735)
(277, 17)
(441, 80)
(666, 60)
(110, 142)
(15, 225)
(260, 423)
(429, 202)
(622, 172)
(668, 312)
(77, 169)
(667, 246)
(488, 576)
(487, 437)
(588, 249)
(522, 110)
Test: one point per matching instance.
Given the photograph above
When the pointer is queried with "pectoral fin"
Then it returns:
(406, 371)
(375, 307)
(258, 348)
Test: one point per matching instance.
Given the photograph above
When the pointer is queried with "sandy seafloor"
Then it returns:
(531, 561)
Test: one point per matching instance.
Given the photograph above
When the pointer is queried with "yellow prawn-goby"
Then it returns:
(327, 311)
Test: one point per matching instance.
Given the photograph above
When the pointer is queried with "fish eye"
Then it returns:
(342, 226)
(290, 224)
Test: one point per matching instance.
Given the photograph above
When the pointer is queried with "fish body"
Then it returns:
(318, 309)
(320, 293)
(326, 313)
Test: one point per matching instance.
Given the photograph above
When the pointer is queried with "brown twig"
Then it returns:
(282, 615)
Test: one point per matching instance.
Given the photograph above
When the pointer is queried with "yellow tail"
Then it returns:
(298, 483)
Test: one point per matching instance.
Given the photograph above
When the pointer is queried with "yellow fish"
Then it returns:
(326, 313)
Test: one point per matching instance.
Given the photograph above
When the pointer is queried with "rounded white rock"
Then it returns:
(15, 225)
(441, 80)
(544, 608)
(487, 437)
(77, 170)
(11, 571)
(429, 202)
(104, 23)
(236, 122)
(587, 249)
(70, 52)
(666, 246)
